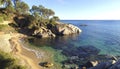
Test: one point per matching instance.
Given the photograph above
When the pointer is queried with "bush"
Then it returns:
(19, 67)
(1, 19)
(5, 17)
(8, 62)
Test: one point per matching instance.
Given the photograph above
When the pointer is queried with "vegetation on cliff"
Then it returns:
(22, 17)
(35, 17)
(26, 20)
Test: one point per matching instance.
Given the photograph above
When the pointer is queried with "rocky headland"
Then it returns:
(60, 29)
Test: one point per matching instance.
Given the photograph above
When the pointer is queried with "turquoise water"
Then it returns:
(102, 36)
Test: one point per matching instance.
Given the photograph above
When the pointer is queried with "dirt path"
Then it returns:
(28, 56)
(5, 22)
(10, 43)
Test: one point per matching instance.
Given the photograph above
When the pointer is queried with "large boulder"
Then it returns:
(108, 65)
(116, 65)
(91, 64)
(43, 32)
(65, 29)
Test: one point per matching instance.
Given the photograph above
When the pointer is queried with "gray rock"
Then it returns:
(91, 64)
(43, 32)
(99, 66)
(59, 29)
(107, 65)
(116, 65)
(66, 29)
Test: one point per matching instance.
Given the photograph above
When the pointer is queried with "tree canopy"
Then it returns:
(37, 16)
(21, 7)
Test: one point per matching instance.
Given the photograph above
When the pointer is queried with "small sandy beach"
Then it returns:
(28, 58)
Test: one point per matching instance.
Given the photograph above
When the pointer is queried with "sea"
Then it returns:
(98, 37)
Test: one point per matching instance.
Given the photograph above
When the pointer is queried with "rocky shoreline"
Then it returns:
(60, 29)
(88, 57)
(37, 53)
(110, 62)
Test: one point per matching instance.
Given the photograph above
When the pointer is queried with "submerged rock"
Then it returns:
(88, 50)
(82, 52)
(46, 64)
(83, 25)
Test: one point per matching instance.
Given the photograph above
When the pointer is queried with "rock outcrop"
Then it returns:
(65, 29)
(57, 30)
(43, 32)
(103, 65)
(116, 65)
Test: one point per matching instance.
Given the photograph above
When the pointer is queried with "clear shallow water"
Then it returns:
(104, 35)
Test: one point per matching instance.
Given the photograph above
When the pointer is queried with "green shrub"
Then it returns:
(19, 67)
(2, 27)
(5, 17)
(1, 19)
(8, 62)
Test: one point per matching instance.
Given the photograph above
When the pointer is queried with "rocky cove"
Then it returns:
(35, 38)
(84, 57)
(62, 55)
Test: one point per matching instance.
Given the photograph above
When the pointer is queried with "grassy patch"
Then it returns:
(1, 19)
(6, 28)
(3, 27)
(8, 62)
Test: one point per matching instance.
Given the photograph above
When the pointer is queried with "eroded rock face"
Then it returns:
(66, 29)
(43, 32)
(59, 29)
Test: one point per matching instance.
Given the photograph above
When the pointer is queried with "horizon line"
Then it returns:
(89, 19)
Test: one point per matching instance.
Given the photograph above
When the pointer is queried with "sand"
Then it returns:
(28, 56)
(10, 44)
(5, 22)
(4, 43)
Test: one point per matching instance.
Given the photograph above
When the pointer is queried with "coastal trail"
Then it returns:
(27, 58)
(18, 50)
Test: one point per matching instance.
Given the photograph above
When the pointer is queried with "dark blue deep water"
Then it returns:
(98, 37)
